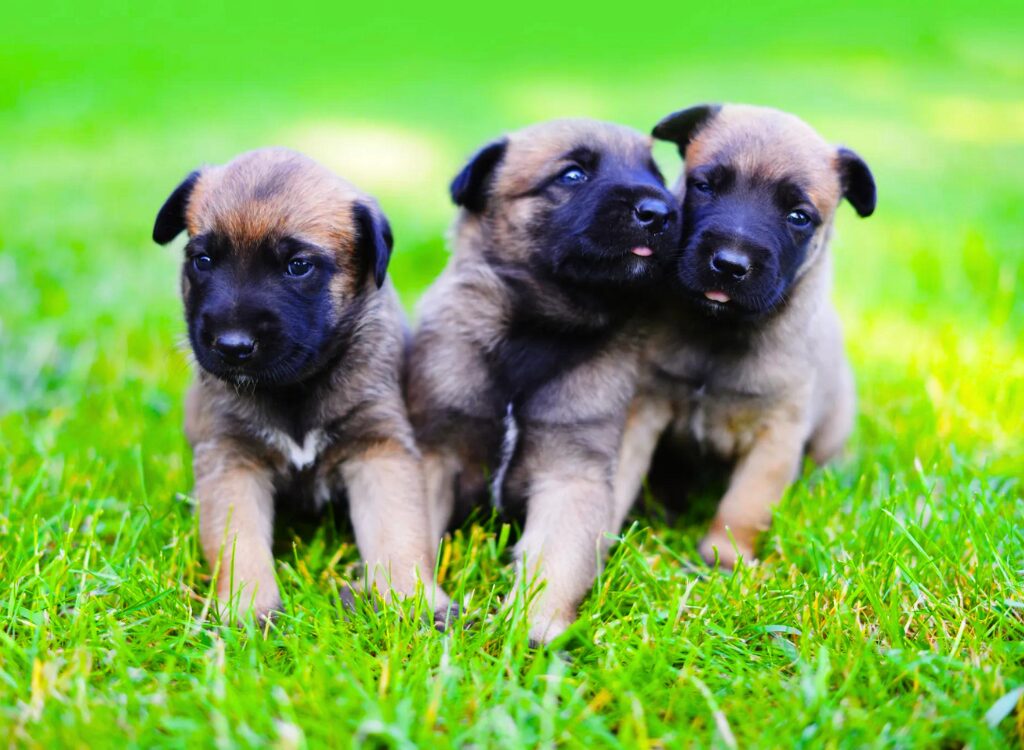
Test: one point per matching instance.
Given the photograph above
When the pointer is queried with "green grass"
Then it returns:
(888, 609)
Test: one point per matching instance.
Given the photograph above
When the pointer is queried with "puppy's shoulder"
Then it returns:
(467, 297)
(211, 409)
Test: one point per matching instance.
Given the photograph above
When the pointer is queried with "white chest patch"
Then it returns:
(299, 456)
(698, 423)
(508, 449)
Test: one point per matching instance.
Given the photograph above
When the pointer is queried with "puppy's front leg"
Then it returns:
(647, 419)
(760, 478)
(569, 511)
(439, 471)
(390, 518)
(236, 527)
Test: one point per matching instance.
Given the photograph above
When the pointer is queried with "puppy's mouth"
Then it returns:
(641, 263)
(597, 262)
(717, 303)
(260, 377)
(281, 370)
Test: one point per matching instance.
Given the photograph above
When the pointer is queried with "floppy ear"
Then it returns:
(857, 181)
(170, 221)
(681, 127)
(374, 240)
(470, 186)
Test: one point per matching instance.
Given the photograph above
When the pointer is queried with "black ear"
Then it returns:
(170, 221)
(857, 181)
(374, 240)
(681, 127)
(470, 186)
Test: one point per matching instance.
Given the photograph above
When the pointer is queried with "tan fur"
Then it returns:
(648, 417)
(275, 192)
(239, 450)
(791, 391)
(569, 430)
(385, 491)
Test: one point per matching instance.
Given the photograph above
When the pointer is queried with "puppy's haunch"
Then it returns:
(748, 362)
(300, 342)
(526, 355)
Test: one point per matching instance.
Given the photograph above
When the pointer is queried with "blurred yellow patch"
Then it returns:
(972, 378)
(970, 120)
(378, 157)
(544, 99)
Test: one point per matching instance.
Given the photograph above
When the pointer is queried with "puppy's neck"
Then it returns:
(561, 305)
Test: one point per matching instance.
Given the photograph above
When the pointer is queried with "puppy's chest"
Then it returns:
(715, 402)
(531, 355)
(304, 469)
(293, 455)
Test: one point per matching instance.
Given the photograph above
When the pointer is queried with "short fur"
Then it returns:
(526, 355)
(747, 364)
(298, 398)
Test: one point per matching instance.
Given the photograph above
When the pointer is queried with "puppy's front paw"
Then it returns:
(446, 615)
(260, 601)
(545, 629)
(721, 548)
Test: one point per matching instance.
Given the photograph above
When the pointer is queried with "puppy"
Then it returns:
(747, 363)
(526, 356)
(300, 342)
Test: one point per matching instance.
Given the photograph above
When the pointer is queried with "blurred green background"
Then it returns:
(105, 106)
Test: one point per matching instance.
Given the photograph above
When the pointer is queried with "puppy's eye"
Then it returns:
(572, 176)
(202, 262)
(299, 267)
(798, 219)
(703, 187)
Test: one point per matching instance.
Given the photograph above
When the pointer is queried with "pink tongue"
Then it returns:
(717, 296)
(643, 252)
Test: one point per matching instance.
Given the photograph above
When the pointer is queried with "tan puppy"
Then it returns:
(298, 399)
(526, 356)
(748, 363)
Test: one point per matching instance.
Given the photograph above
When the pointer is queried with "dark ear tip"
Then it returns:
(469, 187)
(162, 234)
(170, 220)
(858, 183)
(682, 125)
(663, 130)
(457, 187)
(374, 238)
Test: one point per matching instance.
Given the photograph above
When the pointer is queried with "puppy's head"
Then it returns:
(579, 201)
(281, 254)
(759, 193)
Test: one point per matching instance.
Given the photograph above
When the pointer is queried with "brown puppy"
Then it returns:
(526, 356)
(747, 364)
(300, 342)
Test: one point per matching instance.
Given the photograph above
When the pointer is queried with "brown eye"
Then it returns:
(299, 267)
(798, 219)
(202, 262)
(703, 187)
(573, 176)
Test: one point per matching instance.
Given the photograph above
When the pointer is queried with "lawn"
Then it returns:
(888, 609)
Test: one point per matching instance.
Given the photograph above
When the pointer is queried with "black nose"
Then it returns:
(731, 263)
(234, 346)
(652, 214)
